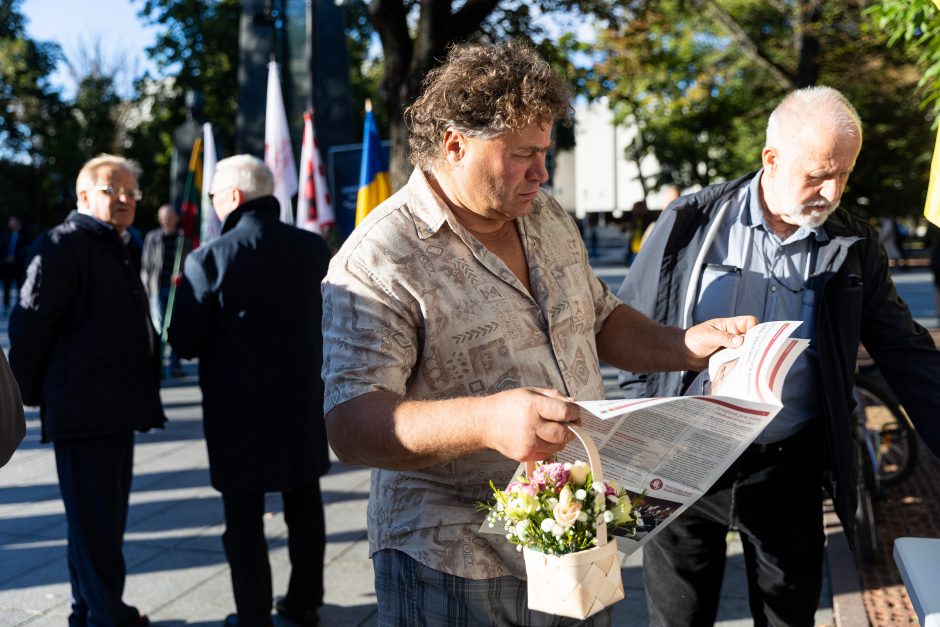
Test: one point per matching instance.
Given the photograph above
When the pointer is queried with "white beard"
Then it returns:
(821, 210)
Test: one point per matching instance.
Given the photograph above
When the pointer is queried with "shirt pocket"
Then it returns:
(717, 293)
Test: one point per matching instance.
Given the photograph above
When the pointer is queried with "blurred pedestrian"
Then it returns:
(14, 245)
(774, 244)
(249, 308)
(165, 250)
(639, 220)
(83, 348)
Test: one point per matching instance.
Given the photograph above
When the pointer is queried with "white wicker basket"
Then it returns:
(576, 584)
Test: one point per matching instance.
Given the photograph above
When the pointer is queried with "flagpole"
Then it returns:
(177, 262)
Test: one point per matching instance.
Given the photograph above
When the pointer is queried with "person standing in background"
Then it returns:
(14, 245)
(249, 307)
(159, 269)
(83, 349)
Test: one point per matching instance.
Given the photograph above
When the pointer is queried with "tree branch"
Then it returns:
(467, 20)
(784, 78)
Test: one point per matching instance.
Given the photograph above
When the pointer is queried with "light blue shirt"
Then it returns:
(749, 270)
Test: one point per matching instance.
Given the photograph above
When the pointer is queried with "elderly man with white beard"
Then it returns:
(774, 244)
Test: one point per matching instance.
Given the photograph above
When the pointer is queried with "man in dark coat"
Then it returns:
(774, 244)
(249, 308)
(82, 348)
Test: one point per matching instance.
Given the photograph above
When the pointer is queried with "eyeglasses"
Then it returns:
(114, 192)
(212, 195)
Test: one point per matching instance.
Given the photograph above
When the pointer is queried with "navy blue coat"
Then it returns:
(249, 308)
(82, 345)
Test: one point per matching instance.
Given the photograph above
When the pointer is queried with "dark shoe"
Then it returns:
(306, 618)
(140, 621)
(232, 621)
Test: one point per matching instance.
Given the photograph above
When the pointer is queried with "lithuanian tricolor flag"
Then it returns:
(192, 195)
(373, 173)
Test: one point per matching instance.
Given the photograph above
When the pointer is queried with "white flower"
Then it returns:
(580, 494)
(578, 473)
(608, 516)
(547, 525)
(557, 530)
(599, 487)
(567, 509)
(582, 516)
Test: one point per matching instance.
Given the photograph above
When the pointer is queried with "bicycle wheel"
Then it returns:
(890, 431)
(866, 533)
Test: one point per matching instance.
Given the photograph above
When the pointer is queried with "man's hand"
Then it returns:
(527, 424)
(704, 339)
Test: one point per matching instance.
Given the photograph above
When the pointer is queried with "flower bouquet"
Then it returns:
(558, 515)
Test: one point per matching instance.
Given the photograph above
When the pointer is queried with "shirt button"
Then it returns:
(773, 288)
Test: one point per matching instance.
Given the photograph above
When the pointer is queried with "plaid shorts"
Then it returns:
(410, 594)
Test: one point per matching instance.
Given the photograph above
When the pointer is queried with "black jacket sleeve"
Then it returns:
(12, 421)
(46, 299)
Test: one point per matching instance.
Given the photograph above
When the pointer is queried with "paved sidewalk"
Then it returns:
(177, 569)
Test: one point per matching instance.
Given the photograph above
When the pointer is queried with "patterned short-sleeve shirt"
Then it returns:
(415, 305)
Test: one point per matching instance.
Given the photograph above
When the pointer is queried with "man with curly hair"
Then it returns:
(460, 319)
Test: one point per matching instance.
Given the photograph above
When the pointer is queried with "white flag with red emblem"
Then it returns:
(278, 154)
(314, 209)
(210, 221)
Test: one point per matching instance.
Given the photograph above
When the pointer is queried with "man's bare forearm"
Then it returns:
(630, 341)
(381, 429)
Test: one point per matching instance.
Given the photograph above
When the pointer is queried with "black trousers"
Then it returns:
(95, 481)
(247, 552)
(772, 495)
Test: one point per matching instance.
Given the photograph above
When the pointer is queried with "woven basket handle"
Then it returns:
(594, 460)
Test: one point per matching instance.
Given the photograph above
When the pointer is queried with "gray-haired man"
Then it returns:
(774, 244)
(249, 308)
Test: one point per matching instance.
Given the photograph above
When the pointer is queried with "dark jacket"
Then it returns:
(249, 307)
(82, 346)
(20, 248)
(857, 302)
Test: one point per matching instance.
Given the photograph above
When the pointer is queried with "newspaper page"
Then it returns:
(667, 452)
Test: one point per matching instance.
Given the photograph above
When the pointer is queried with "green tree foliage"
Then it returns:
(915, 25)
(196, 50)
(415, 37)
(700, 77)
(37, 129)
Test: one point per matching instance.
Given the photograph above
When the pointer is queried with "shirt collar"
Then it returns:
(752, 215)
(430, 212)
(85, 211)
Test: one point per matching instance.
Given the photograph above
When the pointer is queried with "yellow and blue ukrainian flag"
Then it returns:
(373, 173)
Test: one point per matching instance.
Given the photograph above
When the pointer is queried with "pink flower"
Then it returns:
(550, 475)
(610, 491)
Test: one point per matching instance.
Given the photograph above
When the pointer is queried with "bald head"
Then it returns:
(168, 218)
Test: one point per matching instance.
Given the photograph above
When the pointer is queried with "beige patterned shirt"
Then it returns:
(413, 304)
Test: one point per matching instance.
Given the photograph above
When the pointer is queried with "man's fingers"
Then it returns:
(553, 433)
(556, 409)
